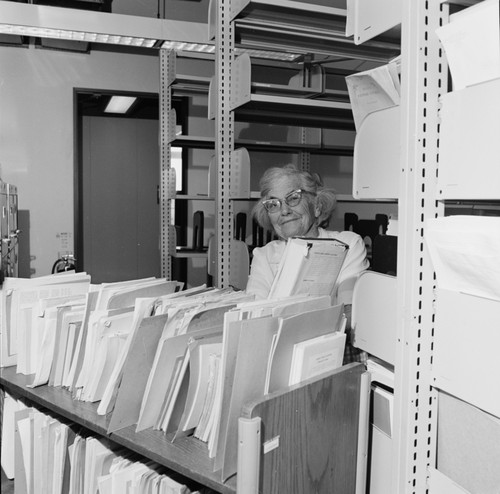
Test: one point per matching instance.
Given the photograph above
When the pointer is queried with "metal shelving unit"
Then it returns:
(271, 25)
(272, 102)
(301, 30)
(279, 25)
(167, 180)
(423, 77)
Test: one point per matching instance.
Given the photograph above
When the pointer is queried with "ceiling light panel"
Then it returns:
(37, 32)
(120, 104)
(95, 27)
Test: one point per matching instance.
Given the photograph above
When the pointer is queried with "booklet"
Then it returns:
(310, 266)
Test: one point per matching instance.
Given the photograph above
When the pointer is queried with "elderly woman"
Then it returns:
(295, 204)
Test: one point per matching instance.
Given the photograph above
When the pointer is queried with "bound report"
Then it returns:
(309, 265)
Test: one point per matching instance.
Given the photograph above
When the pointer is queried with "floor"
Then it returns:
(7, 485)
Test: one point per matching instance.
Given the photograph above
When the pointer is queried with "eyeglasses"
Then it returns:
(292, 199)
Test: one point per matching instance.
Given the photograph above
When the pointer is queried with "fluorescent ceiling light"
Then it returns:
(210, 48)
(95, 27)
(38, 32)
(269, 54)
(120, 104)
(184, 46)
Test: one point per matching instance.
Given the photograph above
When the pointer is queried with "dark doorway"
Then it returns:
(116, 189)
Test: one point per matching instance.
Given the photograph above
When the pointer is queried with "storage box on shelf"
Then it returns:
(466, 338)
(377, 156)
(470, 148)
(367, 20)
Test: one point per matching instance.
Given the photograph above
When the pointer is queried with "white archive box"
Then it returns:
(469, 150)
(466, 343)
(374, 320)
(377, 154)
(368, 19)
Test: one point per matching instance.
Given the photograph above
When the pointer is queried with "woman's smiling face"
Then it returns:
(295, 221)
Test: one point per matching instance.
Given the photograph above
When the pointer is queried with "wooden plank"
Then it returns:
(311, 430)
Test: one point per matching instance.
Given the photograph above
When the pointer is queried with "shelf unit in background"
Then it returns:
(295, 28)
(301, 141)
(175, 84)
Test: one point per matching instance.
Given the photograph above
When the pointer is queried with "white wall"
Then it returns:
(37, 132)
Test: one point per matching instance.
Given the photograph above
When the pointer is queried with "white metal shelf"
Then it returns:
(290, 111)
(188, 253)
(193, 197)
(200, 142)
(280, 103)
(298, 92)
(276, 146)
(187, 85)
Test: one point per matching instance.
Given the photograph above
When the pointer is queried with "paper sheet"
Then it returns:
(373, 90)
(471, 41)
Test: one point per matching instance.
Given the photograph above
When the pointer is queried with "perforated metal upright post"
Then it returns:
(423, 80)
(167, 73)
(224, 142)
(304, 160)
